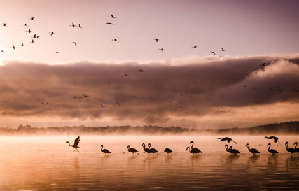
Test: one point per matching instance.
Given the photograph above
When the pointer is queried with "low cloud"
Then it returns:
(146, 92)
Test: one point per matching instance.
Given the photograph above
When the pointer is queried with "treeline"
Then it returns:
(276, 128)
(74, 130)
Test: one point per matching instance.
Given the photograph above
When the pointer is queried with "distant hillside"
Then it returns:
(275, 128)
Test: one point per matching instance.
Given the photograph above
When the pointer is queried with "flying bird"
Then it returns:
(76, 144)
(72, 25)
(114, 39)
(212, 52)
(156, 39)
(32, 18)
(228, 139)
(25, 25)
(109, 23)
(112, 16)
(22, 44)
(4, 24)
(274, 138)
(51, 33)
(2, 51)
(79, 25)
(29, 31)
(13, 47)
(161, 49)
(222, 49)
(35, 36)
(75, 43)
(195, 46)
(32, 41)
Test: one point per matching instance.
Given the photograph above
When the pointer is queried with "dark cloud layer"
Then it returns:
(191, 88)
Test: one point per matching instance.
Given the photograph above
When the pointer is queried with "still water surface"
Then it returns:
(47, 163)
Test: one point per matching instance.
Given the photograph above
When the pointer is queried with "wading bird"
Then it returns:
(233, 151)
(226, 148)
(167, 150)
(76, 144)
(291, 150)
(228, 139)
(296, 149)
(272, 151)
(151, 150)
(252, 150)
(105, 151)
(144, 148)
(131, 150)
(192, 149)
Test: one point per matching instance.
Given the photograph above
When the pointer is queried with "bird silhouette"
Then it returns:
(105, 151)
(114, 40)
(51, 33)
(161, 49)
(2, 51)
(222, 49)
(79, 25)
(167, 150)
(291, 150)
(156, 40)
(274, 138)
(25, 25)
(32, 41)
(151, 150)
(145, 149)
(192, 149)
(252, 150)
(73, 25)
(131, 150)
(32, 18)
(112, 16)
(29, 31)
(22, 44)
(76, 144)
(109, 23)
(272, 151)
(228, 139)
(212, 52)
(233, 151)
(296, 144)
(195, 46)
(35, 36)
(75, 43)
(4, 25)
(226, 148)
(13, 47)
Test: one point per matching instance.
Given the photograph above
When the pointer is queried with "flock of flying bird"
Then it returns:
(193, 150)
(73, 25)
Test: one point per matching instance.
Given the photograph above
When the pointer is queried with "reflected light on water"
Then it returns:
(48, 163)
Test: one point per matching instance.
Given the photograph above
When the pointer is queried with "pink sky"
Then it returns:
(180, 86)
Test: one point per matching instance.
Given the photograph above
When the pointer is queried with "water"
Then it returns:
(47, 163)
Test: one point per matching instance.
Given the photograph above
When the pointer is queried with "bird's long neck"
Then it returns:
(296, 146)
(248, 147)
(269, 147)
(287, 146)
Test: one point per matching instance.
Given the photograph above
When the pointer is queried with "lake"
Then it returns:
(48, 163)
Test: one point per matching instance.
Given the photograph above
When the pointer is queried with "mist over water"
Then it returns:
(48, 163)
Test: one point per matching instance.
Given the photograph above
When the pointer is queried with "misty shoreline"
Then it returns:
(284, 128)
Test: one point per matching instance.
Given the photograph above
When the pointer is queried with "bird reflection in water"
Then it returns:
(272, 162)
(292, 162)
